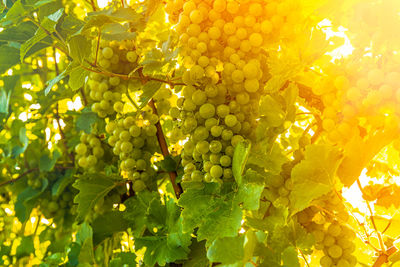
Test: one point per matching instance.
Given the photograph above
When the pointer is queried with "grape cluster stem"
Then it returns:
(165, 151)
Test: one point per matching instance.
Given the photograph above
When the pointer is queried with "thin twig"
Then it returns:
(304, 257)
(63, 138)
(30, 171)
(131, 100)
(165, 152)
(372, 219)
(97, 47)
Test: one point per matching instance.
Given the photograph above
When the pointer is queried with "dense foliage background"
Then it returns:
(199, 133)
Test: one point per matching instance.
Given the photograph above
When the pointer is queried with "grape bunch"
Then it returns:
(332, 236)
(214, 128)
(133, 139)
(89, 151)
(107, 91)
(58, 207)
(361, 95)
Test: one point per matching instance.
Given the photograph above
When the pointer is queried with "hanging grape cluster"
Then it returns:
(107, 91)
(132, 138)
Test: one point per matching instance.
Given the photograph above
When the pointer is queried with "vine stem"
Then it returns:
(383, 250)
(164, 150)
(30, 171)
(304, 258)
(63, 138)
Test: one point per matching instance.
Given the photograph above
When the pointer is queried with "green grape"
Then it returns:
(107, 52)
(210, 122)
(225, 161)
(53, 206)
(197, 176)
(126, 147)
(131, 56)
(230, 120)
(326, 261)
(335, 251)
(334, 229)
(202, 147)
(214, 158)
(138, 185)
(226, 135)
(216, 171)
(216, 130)
(223, 110)
(199, 97)
(215, 146)
(207, 110)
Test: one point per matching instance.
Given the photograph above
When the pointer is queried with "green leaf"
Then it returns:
(9, 56)
(290, 257)
(313, 176)
(4, 250)
(86, 120)
(272, 111)
(84, 238)
(168, 164)
(17, 150)
(215, 214)
(239, 159)
(149, 90)
(46, 163)
(136, 210)
(26, 247)
(249, 193)
(91, 188)
(107, 224)
(77, 78)
(20, 33)
(169, 243)
(227, 250)
(54, 81)
(26, 200)
(269, 159)
(124, 259)
(197, 256)
(47, 27)
(79, 47)
(62, 182)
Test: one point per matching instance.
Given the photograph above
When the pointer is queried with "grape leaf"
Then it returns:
(62, 182)
(197, 256)
(354, 162)
(92, 188)
(26, 200)
(79, 47)
(290, 257)
(226, 250)
(123, 259)
(249, 195)
(149, 90)
(9, 56)
(84, 237)
(107, 224)
(272, 111)
(169, 243)
(240, 156)
(86, 120)
(215, 214)
(136, 210)
(47, 27)
(46, 163)
(77, 78)
(26, 247)
(314, 175)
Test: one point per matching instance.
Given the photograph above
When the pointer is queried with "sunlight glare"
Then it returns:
(103, 3)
